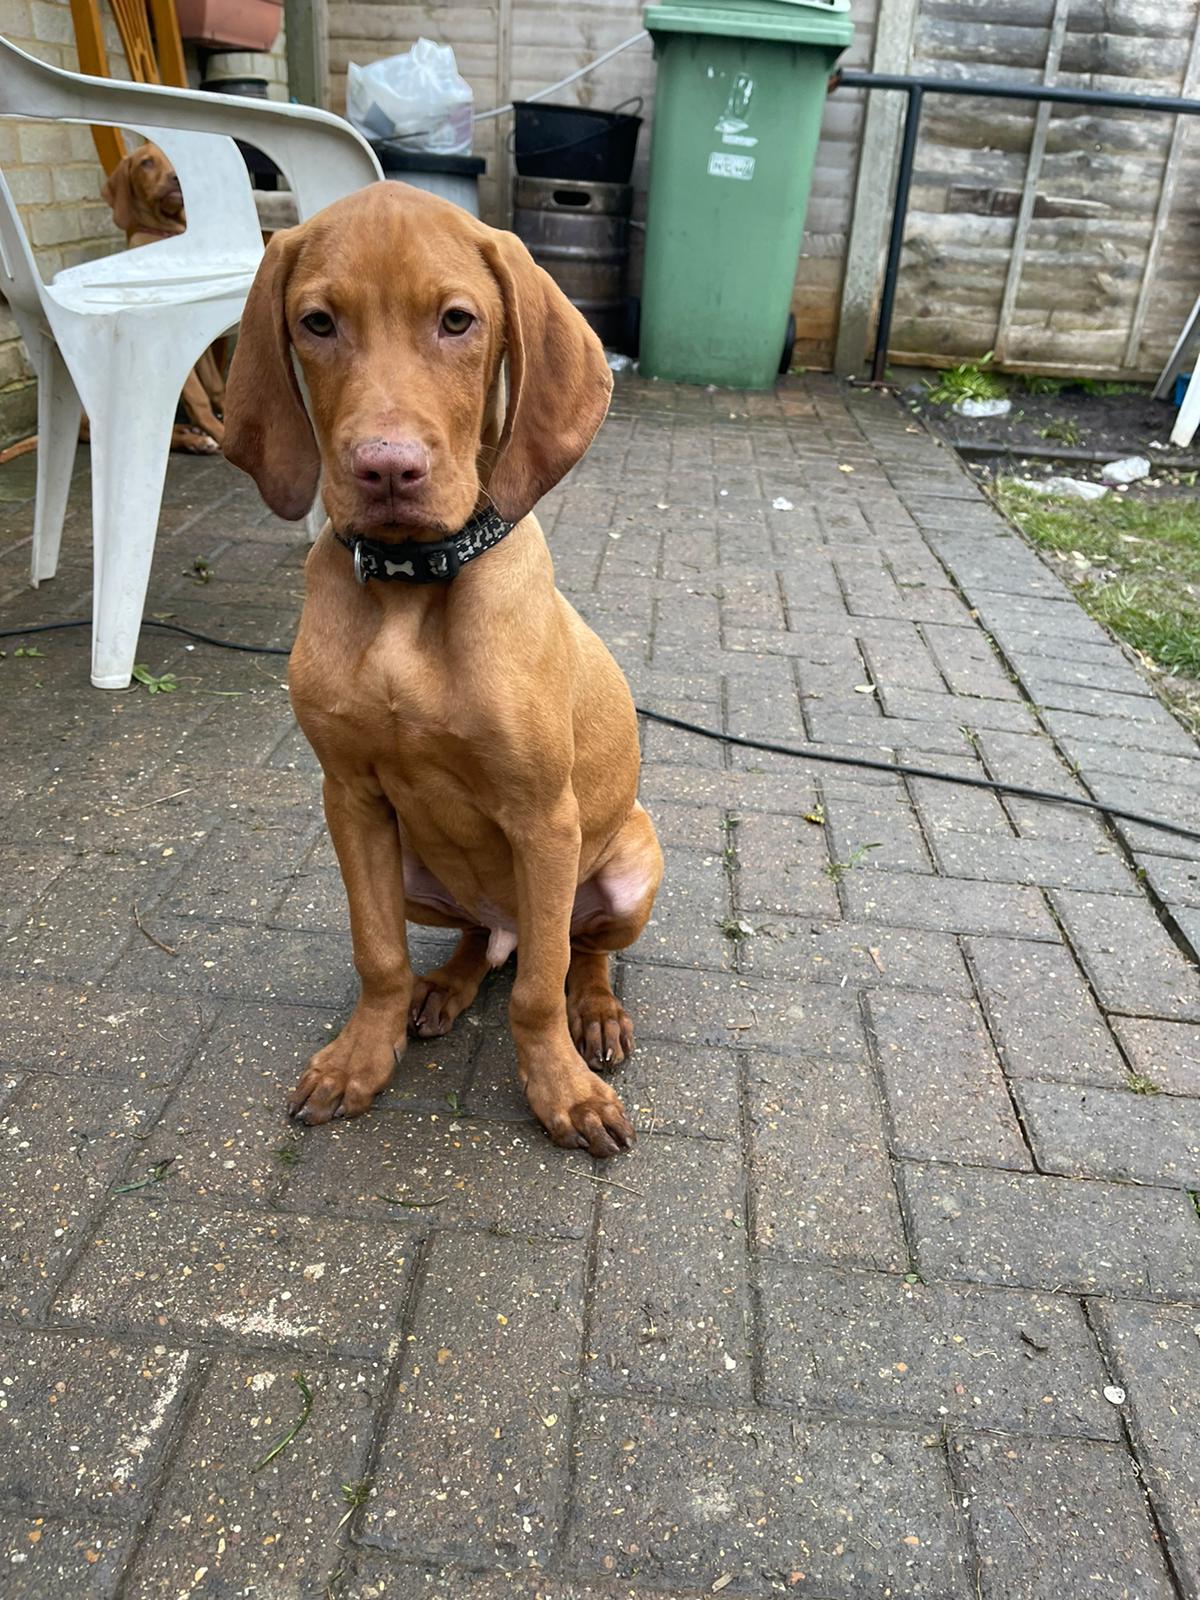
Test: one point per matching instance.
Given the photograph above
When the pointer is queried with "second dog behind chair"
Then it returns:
(147, 204)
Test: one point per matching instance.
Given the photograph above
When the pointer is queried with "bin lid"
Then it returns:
(395, 157)
(821, 22)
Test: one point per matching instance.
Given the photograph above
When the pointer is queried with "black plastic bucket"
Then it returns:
(553, 141)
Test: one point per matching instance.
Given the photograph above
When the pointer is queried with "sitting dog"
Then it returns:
(479, 744)
(147, 204)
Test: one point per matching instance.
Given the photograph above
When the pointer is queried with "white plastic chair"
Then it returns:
(118, 336)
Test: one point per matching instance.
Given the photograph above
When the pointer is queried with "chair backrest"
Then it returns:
(321, 156)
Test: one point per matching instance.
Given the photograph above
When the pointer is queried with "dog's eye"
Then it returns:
(456, 320)
(318, 322)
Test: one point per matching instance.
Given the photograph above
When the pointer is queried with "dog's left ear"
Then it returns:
(267, 431)
(558, 380)
(118, 193)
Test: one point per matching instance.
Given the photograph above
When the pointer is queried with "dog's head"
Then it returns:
(401, 311)
(143, 191)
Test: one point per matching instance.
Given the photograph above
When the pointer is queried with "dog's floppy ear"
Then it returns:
(558, 380)
(267, 431)
(118, 193)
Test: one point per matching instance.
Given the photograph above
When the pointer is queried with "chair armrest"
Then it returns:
(321, 155)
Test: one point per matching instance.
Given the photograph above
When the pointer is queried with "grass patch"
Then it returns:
(1134, 564)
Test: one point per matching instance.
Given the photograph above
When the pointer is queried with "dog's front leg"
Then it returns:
(342, 1079)
(576, 1108)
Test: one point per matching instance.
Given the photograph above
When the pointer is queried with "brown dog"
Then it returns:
(147, 204)
(479, 743)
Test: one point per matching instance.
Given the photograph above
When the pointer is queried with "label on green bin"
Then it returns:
(721, 164)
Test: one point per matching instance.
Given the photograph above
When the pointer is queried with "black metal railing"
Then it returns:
(916, 87)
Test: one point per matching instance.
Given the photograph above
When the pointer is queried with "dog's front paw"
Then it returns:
(343, 1079)
(581, 1112)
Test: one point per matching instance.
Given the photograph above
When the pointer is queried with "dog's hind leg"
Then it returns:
(439, 997)
(612, 908)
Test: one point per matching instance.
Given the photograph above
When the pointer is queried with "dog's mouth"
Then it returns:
(394, 522)
(171, 200)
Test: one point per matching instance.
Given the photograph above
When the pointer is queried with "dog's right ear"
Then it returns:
(267, 431)
(118, 193)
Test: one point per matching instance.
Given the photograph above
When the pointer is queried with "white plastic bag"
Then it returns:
(417, 99)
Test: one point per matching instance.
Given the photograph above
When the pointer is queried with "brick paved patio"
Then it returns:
(843, 1324)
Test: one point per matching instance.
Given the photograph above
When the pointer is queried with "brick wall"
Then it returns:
(56, 177)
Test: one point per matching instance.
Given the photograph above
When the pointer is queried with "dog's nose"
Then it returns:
(390, 468)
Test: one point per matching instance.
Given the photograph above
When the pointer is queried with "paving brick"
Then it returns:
(1112, 1133)
(719, 1009)
(752, 1499)
(849, 953)
(679, 1089)
(968, 662)
(79, 1557)
(1131, 703)
(781, 866)
(947, 905)
(820, 1177)
(958, 710)
(874, 736)
(243, 963)
(377, 1577)
(790, 791)
(685, 827)
(69, 1028)
(898, 657)
(191, 1271)
(1054, 863)
(1156, 1358)
(1168, 1053)
(670, 1309)
(1052, 1233)
(260, 1529)
(1041, 1013)
(1058, 1517)
(63, 1143)
(450, 1170)
(241, 871)
(1160, 734)
(882, 1349)
(955, 806)
(474, 1460)
(225, 1130)
(84, 1423)
(27, 873)
(945, 1093)
(692, 912)
(882, 833)
(80, 925)
(1131, 959)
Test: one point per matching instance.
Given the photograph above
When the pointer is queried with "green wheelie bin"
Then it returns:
(738, 104)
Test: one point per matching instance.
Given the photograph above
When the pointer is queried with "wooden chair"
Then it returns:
(152, 57)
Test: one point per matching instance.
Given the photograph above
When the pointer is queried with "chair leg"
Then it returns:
(127, 490)
(1188, 419)
(58, 438)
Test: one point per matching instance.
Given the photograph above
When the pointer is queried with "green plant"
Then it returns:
(838, 869)
(166, 684)
(970, 380)
(1138, 1083)
(1062, 430)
